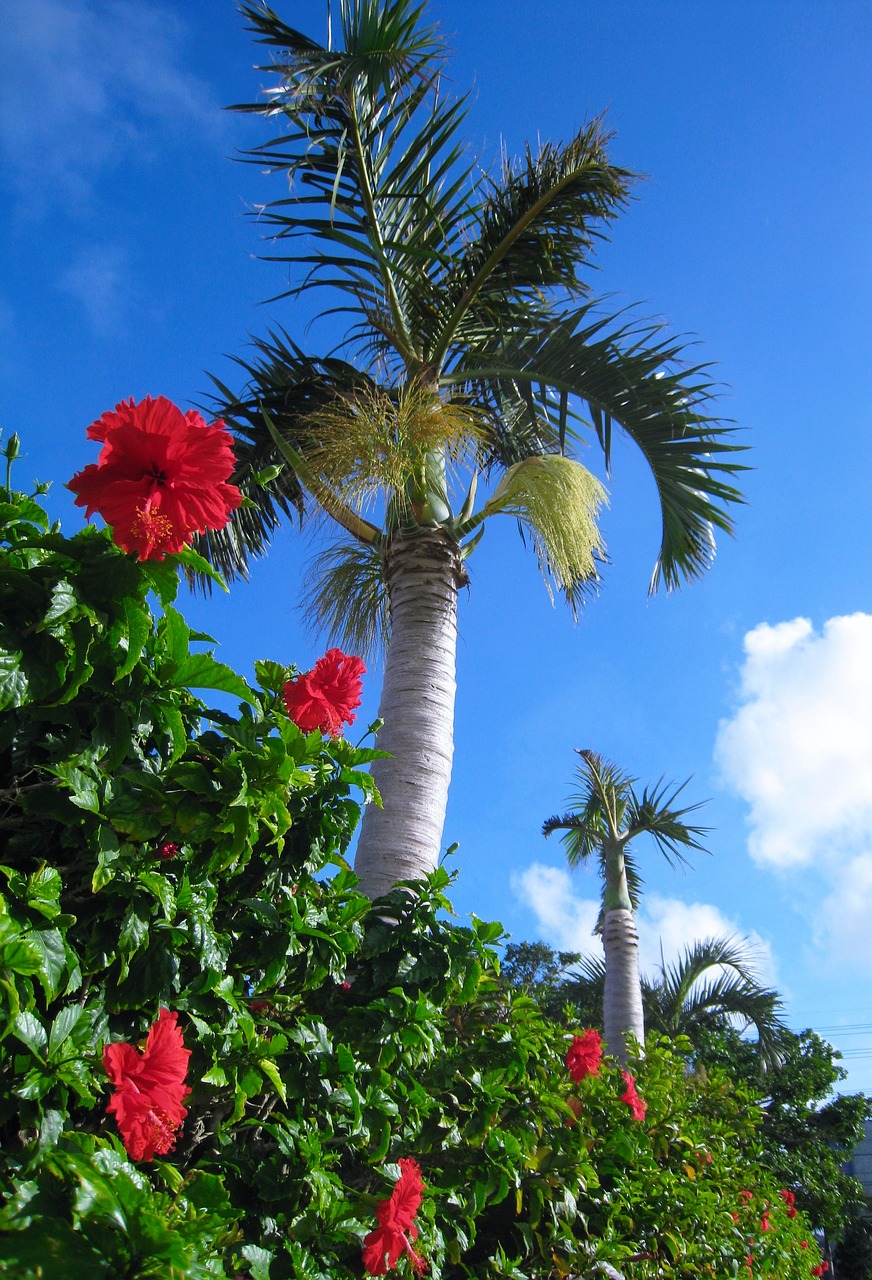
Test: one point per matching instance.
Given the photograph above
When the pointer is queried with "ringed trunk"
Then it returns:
(403, 839)
(622, 1002)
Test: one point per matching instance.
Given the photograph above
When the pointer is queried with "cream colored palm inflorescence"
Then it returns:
(558, 500)
(371, 445)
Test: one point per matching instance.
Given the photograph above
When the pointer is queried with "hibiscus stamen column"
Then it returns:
(402, 841)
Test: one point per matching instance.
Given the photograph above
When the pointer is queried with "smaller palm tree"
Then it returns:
(712, 985)
(607, 815)
(714, 982)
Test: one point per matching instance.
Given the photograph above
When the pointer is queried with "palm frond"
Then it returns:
(346, 598)
(632, 375)
(655, 814)
(289, 386)
(596, 816)
(690, 994)
(534, 231)
(377, 178)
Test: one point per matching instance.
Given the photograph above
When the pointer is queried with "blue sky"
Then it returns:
(128, 266)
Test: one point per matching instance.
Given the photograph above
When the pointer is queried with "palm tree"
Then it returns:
(606, 816)
(473, 348)
(713, 984)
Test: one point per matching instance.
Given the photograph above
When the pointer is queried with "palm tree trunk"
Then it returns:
(622, 1002)
(402, 841)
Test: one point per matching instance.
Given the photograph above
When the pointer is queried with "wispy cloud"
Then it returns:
(798, 750)
(85, 86)
(8, 339)
(666, 926)
(99, 279)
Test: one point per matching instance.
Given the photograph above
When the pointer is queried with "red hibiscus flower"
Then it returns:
(584, 1055)
(746, 1196)
(169, 849)
(765, 1224)
(149, 1088)
(161, 476)
(636, 1104)
(326, 696)
(396, 1229)
(790, 1200)
(821, 1269)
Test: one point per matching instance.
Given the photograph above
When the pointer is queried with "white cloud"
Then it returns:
(85, 85)
(799, 747)
(798, 750)
(566, 921)
(98, 278)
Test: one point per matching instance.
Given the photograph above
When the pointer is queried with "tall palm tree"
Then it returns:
(606, 816)
(473, 348)
(712, 984)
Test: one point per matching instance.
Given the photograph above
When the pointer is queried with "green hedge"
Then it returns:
(159, 854)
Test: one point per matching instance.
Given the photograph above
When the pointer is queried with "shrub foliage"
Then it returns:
(159, 853)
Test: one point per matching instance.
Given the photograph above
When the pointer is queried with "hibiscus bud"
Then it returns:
(575, 1107)
(13, 447)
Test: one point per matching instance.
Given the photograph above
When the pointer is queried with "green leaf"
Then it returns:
(195, 563)
(13, 681)
(21, 955)
(85, 793)
(271, 676)
(30, 1031)
(258, 1259)
(177, 634)
(44, 890)
(201, 671)
(162, 889)
(271, 1071)
(137, 626)
(63, 1027)
(53, 962)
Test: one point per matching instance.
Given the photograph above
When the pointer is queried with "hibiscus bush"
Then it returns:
(218, 1060)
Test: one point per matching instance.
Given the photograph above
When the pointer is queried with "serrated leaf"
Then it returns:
(13, 681)
(53, 959)
(271, 1071)
(176, 633)
(21, 955)
(63, 599)
(162, 889)
(202, 671)
(194, 562)
(258, 1259)
(30, 1031)
(43, 891)
(63, 1026)
(171, 721)
(271, 676)
(137, 625)
(83, 788)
